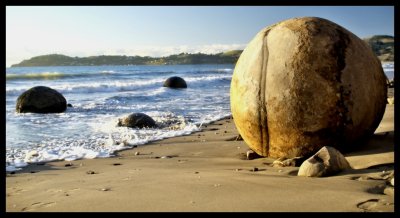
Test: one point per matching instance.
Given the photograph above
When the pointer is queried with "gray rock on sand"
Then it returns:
(304, 83)
(239, 138)
(250, 154)
(286, 162)
(175, 82)
(137, 120)
(327, 161)
(41, 99)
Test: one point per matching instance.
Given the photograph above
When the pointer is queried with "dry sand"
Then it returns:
(205, 171)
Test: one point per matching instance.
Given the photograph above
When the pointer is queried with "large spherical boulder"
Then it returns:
(175, 82)
(137, 120)
(41, 99)
(305, 83)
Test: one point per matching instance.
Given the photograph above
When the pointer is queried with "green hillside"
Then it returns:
(382, 45)
(229, 57)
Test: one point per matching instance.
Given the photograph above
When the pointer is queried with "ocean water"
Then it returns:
(388, 68)
(102, 94)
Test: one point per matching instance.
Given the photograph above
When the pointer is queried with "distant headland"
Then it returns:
(382, 45)
(229, 57)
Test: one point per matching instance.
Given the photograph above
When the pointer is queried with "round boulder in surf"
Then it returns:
(137, 120)
(175, 82)
(41, 99)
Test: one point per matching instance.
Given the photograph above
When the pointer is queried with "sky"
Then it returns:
(164, 30)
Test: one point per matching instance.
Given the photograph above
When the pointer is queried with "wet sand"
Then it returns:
(205, 171)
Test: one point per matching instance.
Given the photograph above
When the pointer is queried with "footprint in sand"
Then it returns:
(182, 161)
(38, 205)
(375, 205)
(377, 189)
(17, 191)
(197, 153)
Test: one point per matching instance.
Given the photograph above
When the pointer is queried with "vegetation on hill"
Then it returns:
(382, 45)
(229, 57)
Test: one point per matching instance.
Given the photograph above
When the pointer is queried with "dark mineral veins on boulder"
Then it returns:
(305, 83)
(137, 120)
(175, 82)
(327, 161)
(41, 99)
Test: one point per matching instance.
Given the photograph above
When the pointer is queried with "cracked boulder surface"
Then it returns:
(305, 83)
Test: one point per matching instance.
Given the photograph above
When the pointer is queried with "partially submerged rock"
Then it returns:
(137, 120)
(175, 82)
(31, 155)
(41, 99)
(327, 161)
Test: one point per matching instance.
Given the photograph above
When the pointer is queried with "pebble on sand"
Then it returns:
(90, 172)
(250, 154)
(255, 169)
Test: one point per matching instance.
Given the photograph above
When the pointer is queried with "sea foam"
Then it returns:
(99, 146)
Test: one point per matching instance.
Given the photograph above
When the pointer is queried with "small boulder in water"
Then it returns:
(175, 82)
(31, 156)
(138, 120)
(41, 99)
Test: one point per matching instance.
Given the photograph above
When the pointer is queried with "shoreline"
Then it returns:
(204, 171)
(10, 169)
(13, 169)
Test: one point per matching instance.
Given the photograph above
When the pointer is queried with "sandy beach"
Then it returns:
(200, 108)
(205, 171)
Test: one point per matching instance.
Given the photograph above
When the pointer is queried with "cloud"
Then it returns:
(17, 55)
